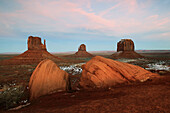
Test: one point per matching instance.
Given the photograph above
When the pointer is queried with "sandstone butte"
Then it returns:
(81, 52)
(47, 78)
(36, 53)
(126, 49)
(102, 72)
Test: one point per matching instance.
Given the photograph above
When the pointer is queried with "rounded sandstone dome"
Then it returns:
(103, 72)
(47, 78)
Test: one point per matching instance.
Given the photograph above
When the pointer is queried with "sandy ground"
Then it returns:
(148, 97)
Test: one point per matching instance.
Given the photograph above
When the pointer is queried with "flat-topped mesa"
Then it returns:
(125, 45)
(126, 49)
(34, 43)
(82, 47)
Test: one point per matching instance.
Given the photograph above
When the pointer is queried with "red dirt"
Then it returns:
(150, 96)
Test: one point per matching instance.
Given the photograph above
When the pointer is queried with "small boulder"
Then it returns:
(47, 78)
(102, 72)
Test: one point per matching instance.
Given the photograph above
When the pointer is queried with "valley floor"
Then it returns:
(147, 97)
(152, 96)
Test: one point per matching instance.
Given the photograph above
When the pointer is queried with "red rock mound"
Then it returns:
(81, 52)
(36, 52)
(103, 72)
(47, 78)
(125, 49)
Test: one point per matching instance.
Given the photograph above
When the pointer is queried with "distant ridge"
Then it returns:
(152, 51)
(106, 51)
(10, 53)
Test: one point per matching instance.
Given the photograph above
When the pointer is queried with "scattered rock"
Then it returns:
(19, 107)
(47, 78)
(103, 72)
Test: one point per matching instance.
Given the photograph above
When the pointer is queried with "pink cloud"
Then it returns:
(128, 6)
(109, 9)
(163, 22)
(153, 17)
(132, 5)
(95, 18)
(66, 16)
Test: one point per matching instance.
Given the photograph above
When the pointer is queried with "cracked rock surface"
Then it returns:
(103, 72)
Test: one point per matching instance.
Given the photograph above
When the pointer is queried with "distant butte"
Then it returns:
(36, 52)
(34, 43)
(126, 49)
(81, 52)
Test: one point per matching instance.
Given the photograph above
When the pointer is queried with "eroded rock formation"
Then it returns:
(81, 52)
(82, 47)
(126, 49)
(34, 43)
(125, 45)
(36, 52)
(102, 72)
(47, 78)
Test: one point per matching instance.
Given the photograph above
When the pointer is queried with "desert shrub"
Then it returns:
(11, 96)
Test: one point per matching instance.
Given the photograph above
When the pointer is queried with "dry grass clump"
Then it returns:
(12, 96)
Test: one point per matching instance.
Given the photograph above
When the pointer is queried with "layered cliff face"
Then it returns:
(125, 45)
(126, 49)
(36, 53)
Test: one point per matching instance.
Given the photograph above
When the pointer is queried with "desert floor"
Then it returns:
(150, 96)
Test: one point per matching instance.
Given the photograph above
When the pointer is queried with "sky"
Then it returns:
(100, 24)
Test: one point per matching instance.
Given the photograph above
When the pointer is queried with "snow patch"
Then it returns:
(158, 66)
(73, 69)
(127, 60)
